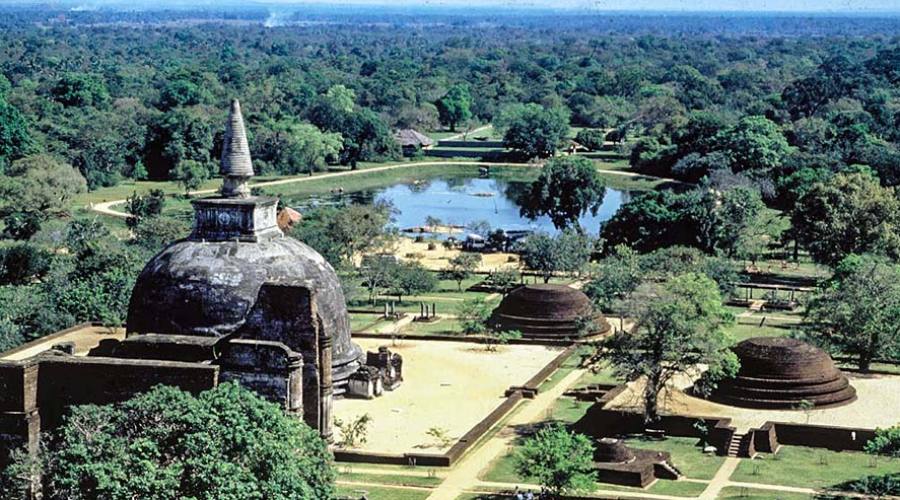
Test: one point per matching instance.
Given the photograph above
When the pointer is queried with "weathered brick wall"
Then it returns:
(268, 368)
(68, 380)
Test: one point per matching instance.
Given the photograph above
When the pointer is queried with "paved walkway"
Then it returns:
(720, 480)
(465, 474)
(106, 208)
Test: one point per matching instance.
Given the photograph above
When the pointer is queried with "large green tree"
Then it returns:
(652, 220)
(224, 444)
(15, 137)
(735, 223)
(560, 461)
(755, 144)
(567, 188)
(455, 107)
(35, 189)
(290, 147)
(848, 213)
(857, 312)
(566, 252)
(80, 89)
(678, 326)
(533, 130)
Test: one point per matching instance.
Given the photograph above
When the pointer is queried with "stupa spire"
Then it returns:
(236, 165)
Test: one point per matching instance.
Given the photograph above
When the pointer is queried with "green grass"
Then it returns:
(378, 493)
(445, 326)
(391, 479)
(603, 375)
(362, 322)
(744, 331)
(811, 467)
(567, 410)
(755, 494)
(686, 456)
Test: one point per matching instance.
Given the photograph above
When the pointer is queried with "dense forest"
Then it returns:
(781, 112)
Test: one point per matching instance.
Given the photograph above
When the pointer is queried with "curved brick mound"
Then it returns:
(547, 312)
(780, 373)
(613, 451)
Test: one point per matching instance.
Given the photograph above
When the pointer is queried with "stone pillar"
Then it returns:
(295, 386)
(326, 386)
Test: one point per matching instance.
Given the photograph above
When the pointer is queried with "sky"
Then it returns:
(665, 5)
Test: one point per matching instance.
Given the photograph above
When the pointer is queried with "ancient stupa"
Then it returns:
(211, 283)
(548, 312)
(781, 373)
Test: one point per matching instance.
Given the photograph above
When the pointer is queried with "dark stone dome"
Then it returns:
(613, 451)
(781, 373)
(208, 288)
(545, 311)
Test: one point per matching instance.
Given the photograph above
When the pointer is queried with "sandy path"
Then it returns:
(720, 480)
(465, 474)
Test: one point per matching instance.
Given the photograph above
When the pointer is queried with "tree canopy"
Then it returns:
(848, 213)
(567, 188)
(225, 443)
(857, 312)
(678, 326)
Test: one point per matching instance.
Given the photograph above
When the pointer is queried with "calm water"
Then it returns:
(461, 201)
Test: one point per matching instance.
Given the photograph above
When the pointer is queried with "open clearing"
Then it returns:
(449, 385)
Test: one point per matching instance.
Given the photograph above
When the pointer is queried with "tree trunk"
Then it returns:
(651, 392)
(865, 362)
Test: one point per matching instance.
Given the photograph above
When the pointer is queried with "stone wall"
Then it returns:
(34, 393)
(771, 434)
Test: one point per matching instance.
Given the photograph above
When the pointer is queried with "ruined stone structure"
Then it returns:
(235, 301)
(782, 373)
(619, 464)
(549, 312)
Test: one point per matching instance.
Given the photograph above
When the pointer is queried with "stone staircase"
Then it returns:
(736, 446)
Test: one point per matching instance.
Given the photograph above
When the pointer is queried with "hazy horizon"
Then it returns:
(736, 6)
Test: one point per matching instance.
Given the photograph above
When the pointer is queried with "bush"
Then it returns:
(591, 138)
(21, 263)
(885, 442)
(875, 486)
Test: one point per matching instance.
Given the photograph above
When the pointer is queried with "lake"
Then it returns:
(461, 201)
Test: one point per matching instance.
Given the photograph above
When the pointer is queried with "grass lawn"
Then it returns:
(568, 410)
(744, 331)
(573, 362)
(362, 322)
(811, 467)
(686, 456)
(445, 326)
(377, 493)
(604, 375)
(754, 494)
(391, 479)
